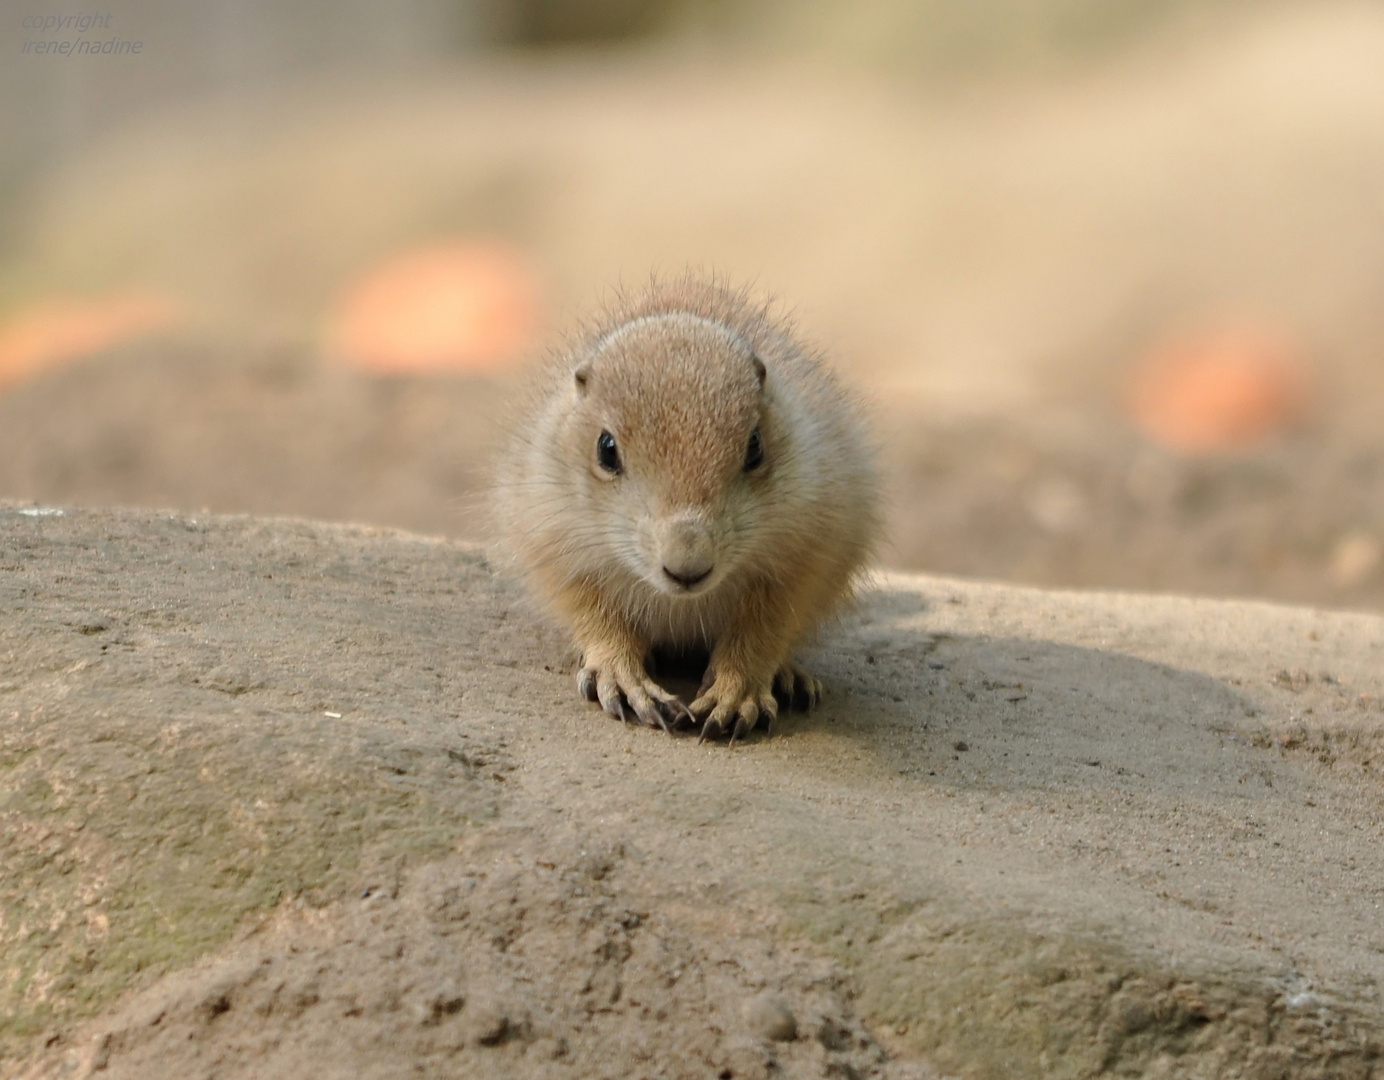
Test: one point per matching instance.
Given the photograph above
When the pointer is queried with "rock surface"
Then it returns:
(282, 799)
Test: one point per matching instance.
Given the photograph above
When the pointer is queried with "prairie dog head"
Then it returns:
(672, 425)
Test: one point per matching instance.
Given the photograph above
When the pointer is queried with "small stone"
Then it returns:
(961, 746)
(100, 1054)
(215, 1002)
(446, 1000)
(552, 1047)
(487, 1024)
(833, 1034)
(768, 1016)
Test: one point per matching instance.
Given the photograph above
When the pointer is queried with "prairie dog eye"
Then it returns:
(607, 455)
(754, 453)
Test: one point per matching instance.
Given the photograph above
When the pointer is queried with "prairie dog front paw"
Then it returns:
(617, 680)
(736, 702)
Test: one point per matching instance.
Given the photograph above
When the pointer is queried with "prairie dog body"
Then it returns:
(687, 476)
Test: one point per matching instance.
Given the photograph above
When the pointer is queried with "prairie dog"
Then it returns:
(688, 476)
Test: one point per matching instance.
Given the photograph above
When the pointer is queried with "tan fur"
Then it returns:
(673, 374)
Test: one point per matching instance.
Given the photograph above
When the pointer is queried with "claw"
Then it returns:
(645, 707)
(682, 715)
(798, 689)
(676, 716)
(659, 710)
(612, 701)
(768, 712)
(586, 684)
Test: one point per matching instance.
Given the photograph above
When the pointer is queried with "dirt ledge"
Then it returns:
(279, 797)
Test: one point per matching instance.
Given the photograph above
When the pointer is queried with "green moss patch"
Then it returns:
(987, 999)
(134, 844)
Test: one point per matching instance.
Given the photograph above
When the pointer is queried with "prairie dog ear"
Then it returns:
(581, 376)
(759, 371)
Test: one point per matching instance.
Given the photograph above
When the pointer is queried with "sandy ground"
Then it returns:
(283, 797)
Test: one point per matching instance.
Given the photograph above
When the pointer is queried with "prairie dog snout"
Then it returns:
(686, 550)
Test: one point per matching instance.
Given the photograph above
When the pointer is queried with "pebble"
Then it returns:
(488, 1023)
(447, 1000)
(768, 1016)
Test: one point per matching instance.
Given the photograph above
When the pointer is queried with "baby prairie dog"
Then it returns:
(689, 477)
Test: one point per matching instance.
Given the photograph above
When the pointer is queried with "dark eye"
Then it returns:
(754, 453)
(606, 453)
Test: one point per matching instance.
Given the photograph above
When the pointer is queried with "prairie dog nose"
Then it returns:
(687, 552)
(687, 580)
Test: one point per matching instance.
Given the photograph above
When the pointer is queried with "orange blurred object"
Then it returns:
(446, 307)
(58, 332)
(1219, 390)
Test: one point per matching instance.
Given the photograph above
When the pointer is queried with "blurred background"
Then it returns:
(1111, 272)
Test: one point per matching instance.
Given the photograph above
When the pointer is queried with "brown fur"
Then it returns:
(680, 375)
